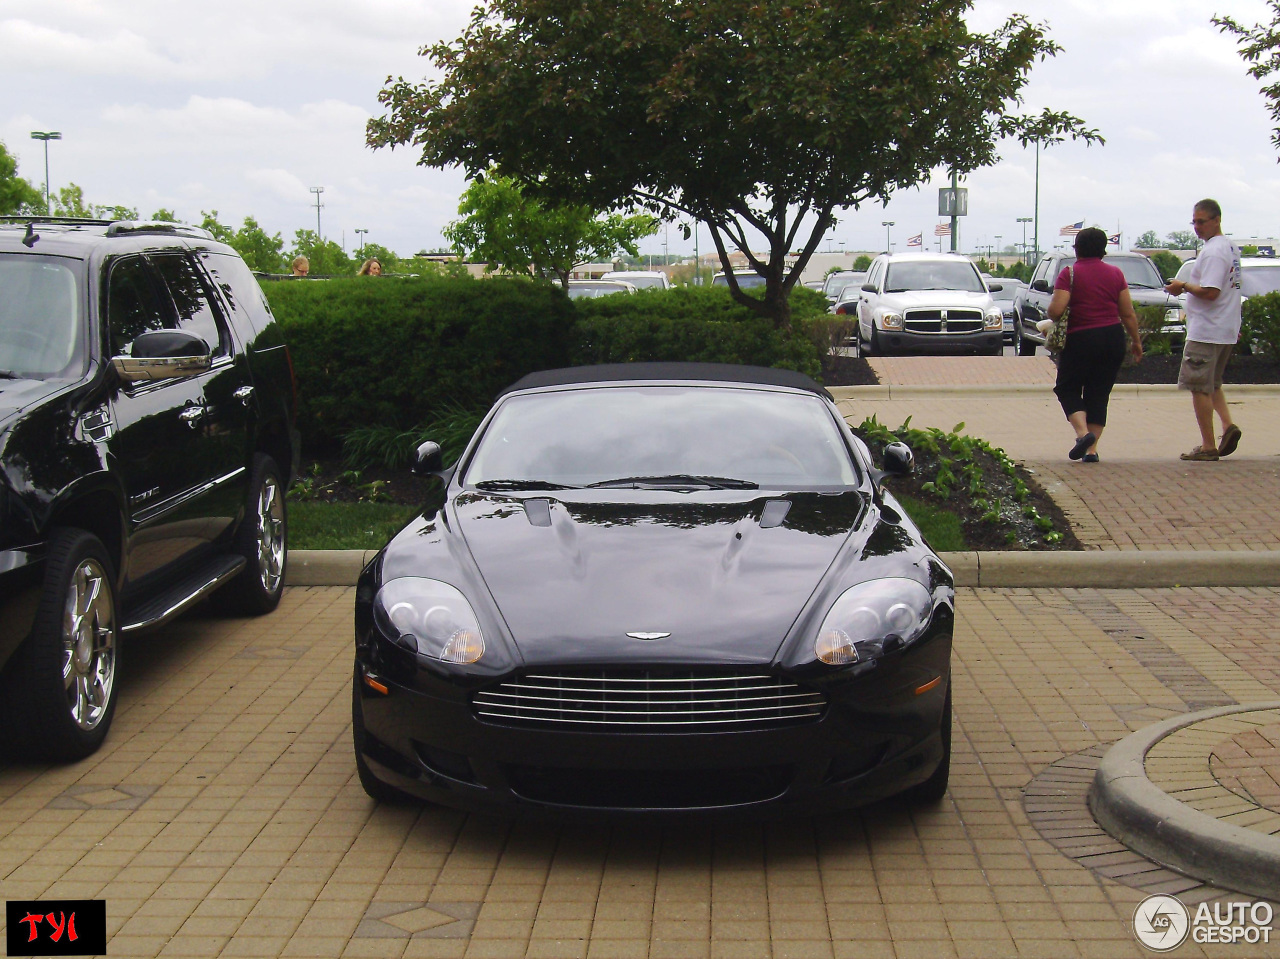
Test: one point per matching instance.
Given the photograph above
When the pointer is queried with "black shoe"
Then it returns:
(1089, 458)
(1082, 446)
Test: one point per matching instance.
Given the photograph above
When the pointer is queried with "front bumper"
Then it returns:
(888, 341)
(876, 738)
(21, 575)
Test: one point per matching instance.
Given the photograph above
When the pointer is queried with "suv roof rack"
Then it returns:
(114, 227)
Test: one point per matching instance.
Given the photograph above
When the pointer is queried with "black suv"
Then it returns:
(146, 442)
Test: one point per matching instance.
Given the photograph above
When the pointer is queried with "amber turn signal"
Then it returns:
(919, 689)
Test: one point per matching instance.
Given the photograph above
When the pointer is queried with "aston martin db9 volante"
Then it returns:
(657, 587)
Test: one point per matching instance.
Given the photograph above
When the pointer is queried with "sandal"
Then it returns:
(1089, 458)
(1082, 446)
(1230, 440)
(1200, 454)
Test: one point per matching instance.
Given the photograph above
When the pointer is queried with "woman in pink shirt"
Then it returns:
(1100, 311)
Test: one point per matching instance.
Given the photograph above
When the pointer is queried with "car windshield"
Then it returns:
(1138, 271)
(745, 280)
(839, 281)
(1256, 280)
(640, 281)
(40, 315)
(933, 275)
(1008, 289)
(668, 435)
(591, 290)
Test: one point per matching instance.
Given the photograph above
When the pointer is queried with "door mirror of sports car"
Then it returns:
(898, 460)
(429, 460)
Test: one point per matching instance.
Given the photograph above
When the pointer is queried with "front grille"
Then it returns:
(930, 321)
(649, 788)
(645, 700)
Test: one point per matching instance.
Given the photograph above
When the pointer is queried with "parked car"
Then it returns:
(746, 279)
(146, 442)
(927, 303)
(1005, 296)
(1146, 288)
(589, 289)
(656, 587)
(1259, 275)
(640, 279)
(836, 282)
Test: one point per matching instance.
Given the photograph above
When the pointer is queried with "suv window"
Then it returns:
(933, 275)
(191, 300)
(133, 306)
(1042, 270)
(39, 314)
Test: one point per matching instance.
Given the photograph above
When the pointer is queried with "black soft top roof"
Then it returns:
(621, 372)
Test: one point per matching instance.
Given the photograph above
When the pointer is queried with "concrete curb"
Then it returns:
(1143, 817)
(1117, 569)
(890, 392)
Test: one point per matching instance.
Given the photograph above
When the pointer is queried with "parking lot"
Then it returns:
(223, 816)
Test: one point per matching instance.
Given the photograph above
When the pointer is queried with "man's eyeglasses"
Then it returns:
(1200, 220)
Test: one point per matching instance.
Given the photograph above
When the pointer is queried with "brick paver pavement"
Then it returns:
(970, 370)
(223, 816)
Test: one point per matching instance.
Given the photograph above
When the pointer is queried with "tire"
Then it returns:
(933, 789)
(1024, 346)
(373, 787)
(869, 346)
(58, 694)
(262, 540)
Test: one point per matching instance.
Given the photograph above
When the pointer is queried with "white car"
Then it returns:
(590, 289)
(746, 279)
(641, 279)
(928, 303)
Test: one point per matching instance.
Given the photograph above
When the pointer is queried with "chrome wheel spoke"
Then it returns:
(88, 645)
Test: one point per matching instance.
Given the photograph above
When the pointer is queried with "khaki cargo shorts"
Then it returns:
(1203, 365)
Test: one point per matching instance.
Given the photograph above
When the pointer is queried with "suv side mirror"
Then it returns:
(898, 460)
(868, 287)
(994, 287)
(1040, 286)
(163, 355)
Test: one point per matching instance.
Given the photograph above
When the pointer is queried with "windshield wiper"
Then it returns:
(520, 484)
(677, 479)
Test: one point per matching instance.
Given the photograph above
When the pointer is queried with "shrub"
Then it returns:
(1260, 324)
(1166, 263)
(390, 352)
(1151, 328)
(696, 324)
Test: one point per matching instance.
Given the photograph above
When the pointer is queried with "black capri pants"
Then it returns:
(1087, 369)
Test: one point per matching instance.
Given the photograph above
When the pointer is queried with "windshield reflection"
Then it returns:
(40, 315)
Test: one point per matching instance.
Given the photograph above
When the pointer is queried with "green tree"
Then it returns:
(862, 263)
(262, 252)
(116, 212)
(164, 216)
(221, 232)
(326, 257)
(376, 251)
(1181, 240)
(758, 119)
(1260, 48)
(1166, 263)
(1149, 241)
(516, 233)
(70, 201)
(16, 194)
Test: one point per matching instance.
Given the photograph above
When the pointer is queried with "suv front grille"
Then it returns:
(637, 700)
(931, 321)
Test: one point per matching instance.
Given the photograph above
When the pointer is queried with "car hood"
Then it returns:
(1147, 297)
(725, 574)
(926, 299)
(17, 395)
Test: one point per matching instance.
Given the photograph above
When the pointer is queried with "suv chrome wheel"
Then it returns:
(271, 533)
(89, 644)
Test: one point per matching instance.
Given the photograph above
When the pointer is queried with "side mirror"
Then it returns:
(163, 355)
(898, 460)
(429, 461)
(994, 287)
(1040, 286)
(868, 287)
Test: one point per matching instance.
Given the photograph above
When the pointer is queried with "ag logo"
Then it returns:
(1161, 923)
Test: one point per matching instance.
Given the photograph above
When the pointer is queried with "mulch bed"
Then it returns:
(1243, 368)
(847, 371)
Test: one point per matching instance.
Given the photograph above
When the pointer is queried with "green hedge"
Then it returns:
(395, 353)
(391, 351)
(1260, 326)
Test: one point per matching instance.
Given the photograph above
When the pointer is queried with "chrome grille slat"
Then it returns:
(635, 698)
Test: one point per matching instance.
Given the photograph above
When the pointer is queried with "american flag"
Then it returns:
(917, 240)
(942, 229)
(1071, 229)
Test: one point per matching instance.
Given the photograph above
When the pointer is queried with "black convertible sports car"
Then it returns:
(657, 587)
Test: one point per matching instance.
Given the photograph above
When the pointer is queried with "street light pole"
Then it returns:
(359, 232)
(1036, 232)
(886, 224)
(46, 136)
(317, 190)
(1024, 220)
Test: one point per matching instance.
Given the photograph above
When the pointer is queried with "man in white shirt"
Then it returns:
(1212, 286)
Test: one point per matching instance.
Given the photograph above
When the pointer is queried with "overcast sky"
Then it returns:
(241, 107)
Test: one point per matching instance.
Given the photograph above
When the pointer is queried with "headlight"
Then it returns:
(890, 321)
(994, 319)
(434, 615)
(871, 619)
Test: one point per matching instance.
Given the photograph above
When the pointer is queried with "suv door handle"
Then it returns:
(192, 416)
(243, 394)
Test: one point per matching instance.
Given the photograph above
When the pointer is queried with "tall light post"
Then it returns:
(1024, 220)
(997, 249)
(886, 224)
(360, 233)
(317, 190)
(46, 136)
